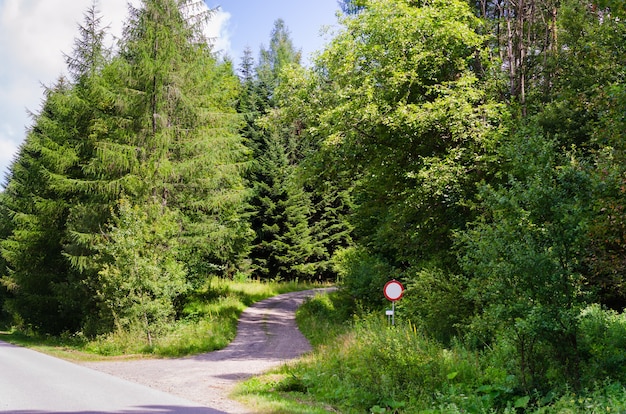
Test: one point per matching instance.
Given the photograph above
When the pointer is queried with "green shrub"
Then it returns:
(602, 340)
(363, 276)
(435, 302)
(608, 397)
(365, 365)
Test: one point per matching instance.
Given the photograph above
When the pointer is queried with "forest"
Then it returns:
(473, 150)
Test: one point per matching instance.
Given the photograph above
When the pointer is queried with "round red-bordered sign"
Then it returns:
(393, 290)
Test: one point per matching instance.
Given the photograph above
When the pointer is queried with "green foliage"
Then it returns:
(607, 397)
(207, 322)
(153, 124)
(290, 242)
(416, 135)
(524, 257)
(369, 166)
(351, 6)
(363, 276)
(184, 132)
(283, 246)
(436, 302)
(324, 317)
(603, 344)
(410, 128)
(329, 221)
(280, 54)
(581, 103)
(374, 367)
(365, 365)
(141, 276)
(46, 293)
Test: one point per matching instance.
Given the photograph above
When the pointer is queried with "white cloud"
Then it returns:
(217, 31)
(34, 34)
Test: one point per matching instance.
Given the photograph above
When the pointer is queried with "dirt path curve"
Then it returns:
(267, 336)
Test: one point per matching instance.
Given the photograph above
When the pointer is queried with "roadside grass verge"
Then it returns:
(207, 322)
(271, 393)
(322, 320)
(362, 365)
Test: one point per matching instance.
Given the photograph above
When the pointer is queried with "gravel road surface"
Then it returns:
(267, 337)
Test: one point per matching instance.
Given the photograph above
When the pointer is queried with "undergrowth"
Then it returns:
(207, 321)
(363, 365)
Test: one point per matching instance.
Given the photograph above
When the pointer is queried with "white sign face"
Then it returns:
(393, 290)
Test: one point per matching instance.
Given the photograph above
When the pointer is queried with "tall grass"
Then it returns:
(207, 321)
(377, 367)
(364, 365)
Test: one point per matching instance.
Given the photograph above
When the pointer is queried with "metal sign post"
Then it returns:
(393, 291)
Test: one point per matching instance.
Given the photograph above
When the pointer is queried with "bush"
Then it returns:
(435, 302)
(602, 341)
(363, 276)
(608, 397)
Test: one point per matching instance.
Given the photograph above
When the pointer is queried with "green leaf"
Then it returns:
(522, 402)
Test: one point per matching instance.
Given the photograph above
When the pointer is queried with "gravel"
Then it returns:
(267, 336)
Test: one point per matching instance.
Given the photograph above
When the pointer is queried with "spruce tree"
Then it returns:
(283, 247)
(153, 125)
(170, 144)
(185, 130)
(37, 272)
(49, 294)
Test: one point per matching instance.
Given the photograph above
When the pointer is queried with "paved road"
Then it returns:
(31, 382)
(34, 383)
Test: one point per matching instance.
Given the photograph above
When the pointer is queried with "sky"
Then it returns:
(34, 34)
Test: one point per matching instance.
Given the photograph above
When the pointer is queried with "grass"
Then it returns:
(322, 319)
(362, 365)
(271, 393)
(60, 347)
(359, 365)
(208, 322)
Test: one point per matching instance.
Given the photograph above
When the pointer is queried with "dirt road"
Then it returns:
(267, 336)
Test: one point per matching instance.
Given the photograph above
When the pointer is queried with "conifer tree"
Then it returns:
(141, 275)
(48, 292)
(153, 125)
(37, 273)
(183, 130)
(284, 247)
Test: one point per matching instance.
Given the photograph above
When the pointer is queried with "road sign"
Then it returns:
(393, 290)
